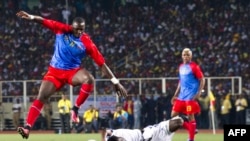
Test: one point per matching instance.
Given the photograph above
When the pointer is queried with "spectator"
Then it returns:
(144, 110)
(151, 110)
(150, 36)
(203, 118)
(64, 105)
(168, 106)
(110, 117)
(120, 119)
(48, 112)
(129, 108)
(225, 109)
(79, 127)
(16, 109)
(241, 106)
(106, 120)
(160, 102)
(1, 116)
(90, 119)
(203, 41)
(137, 112)
(206, 40)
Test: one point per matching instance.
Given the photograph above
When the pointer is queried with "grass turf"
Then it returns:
(199, 137)
(97, 137)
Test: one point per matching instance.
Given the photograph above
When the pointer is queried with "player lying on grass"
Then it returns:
(162, 131)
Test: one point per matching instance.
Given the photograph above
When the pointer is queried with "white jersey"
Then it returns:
(157, 132)
(128, 134)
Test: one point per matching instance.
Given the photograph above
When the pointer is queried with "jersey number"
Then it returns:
(189, 108)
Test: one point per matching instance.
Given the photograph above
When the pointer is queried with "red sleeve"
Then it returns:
(57, 27)
(92, 50)
(196, 70)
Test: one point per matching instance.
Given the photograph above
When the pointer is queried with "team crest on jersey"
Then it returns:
(184, 70)
(71, 42)
(66, 38)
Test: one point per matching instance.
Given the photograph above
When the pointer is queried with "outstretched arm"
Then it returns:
(118, 87)
(25, 15)
(100, 61)
(55, 26)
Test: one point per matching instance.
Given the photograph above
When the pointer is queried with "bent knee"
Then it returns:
(91, 79)
(83, 79)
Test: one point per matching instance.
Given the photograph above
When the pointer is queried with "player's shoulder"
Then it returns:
(193, 64)
(85, 36)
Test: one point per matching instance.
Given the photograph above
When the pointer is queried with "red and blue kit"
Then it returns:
(68, 53)
(189, 79)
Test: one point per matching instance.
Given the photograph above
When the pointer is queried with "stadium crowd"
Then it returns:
(142, 38)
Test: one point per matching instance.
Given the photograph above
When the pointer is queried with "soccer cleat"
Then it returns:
(74, 117)
(23, 132)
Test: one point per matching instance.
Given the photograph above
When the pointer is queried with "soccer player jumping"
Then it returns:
(190, 86)
(72, 44)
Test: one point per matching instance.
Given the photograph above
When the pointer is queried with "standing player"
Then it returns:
(72, 44)
(190, 86)
(163, 131)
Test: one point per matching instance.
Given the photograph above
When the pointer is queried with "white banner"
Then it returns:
(104, 103)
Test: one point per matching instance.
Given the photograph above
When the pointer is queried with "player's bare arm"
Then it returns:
(176, 93)
(201, 87)
(27, 16)
(121, 91)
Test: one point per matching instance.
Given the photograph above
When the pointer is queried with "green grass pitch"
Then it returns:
(199, 137)
(97, 137)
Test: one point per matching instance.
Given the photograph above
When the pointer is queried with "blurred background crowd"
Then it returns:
(139, 39)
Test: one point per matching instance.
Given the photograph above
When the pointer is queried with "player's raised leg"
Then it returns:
(47, 88)
(84, 78)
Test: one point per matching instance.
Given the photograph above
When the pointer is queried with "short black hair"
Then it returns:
(115, 138)
(78, 20)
